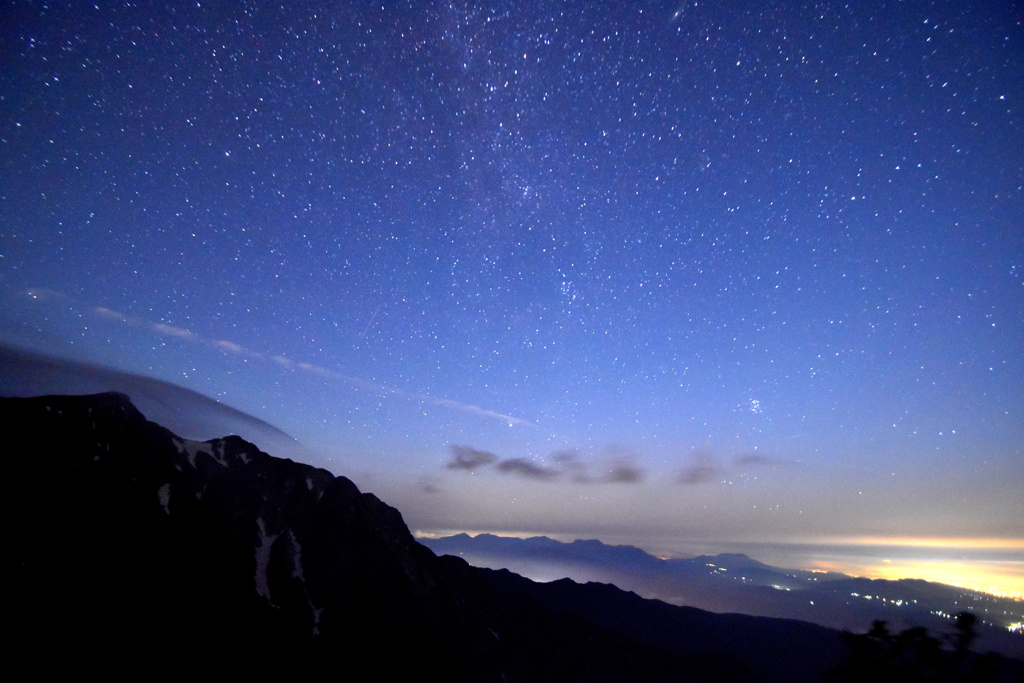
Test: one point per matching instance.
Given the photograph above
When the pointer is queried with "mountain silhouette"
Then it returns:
(734, 582)
(135, 551)
(184, 411)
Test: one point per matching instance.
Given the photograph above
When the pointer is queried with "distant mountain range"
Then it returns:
(737, 583)
(136, 552)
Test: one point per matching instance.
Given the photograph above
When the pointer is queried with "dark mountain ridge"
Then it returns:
(136, 550)
(734, 582)
(184, 411)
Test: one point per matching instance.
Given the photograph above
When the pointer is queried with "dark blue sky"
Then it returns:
(714, 270)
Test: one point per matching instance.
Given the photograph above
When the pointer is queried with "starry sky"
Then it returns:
(652, 272)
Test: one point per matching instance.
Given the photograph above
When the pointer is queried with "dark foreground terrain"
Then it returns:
(135, 551)
(737, 583)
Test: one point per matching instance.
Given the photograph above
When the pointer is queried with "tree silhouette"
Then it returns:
(914, 655)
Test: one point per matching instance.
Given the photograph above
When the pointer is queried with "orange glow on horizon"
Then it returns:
(966, 543)
(970, 575)
(999, 577)
(442, 533)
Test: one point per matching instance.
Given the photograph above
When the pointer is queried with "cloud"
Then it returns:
(429, 486)
(43, 294)
(469, 408)
(702, 467)
(754, 460)
(466, 458)
(697, 474)
(172, 331)
(567, 465)
(621, 467)
(700, 470)
(184, 411)
(617, 470)
(527, 469)
(109, 314)
(570, 464)
(232, 347)
(624, 472)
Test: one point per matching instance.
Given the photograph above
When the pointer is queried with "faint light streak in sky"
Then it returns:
(282, 361)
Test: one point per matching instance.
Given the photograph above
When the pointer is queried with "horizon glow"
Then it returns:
(1001, 577)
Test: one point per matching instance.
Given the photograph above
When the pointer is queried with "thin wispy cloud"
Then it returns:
(564, 465)
(230, 347)
(428, 485)
(172, 331)
(466, 458)
(227, 346)
(44, 294)
(754, 460)
(701, 469)
(469, 408)
(109, 314)
(571, 464)
(697, 474)
(527, 469)
(623, 472)
(430, 400)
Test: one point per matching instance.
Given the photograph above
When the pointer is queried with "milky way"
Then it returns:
(712, 271)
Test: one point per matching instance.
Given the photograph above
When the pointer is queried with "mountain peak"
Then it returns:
(195, 553)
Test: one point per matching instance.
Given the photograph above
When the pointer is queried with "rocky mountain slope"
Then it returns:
(135, 551)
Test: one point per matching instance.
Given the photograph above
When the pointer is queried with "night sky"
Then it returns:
(660, 273)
